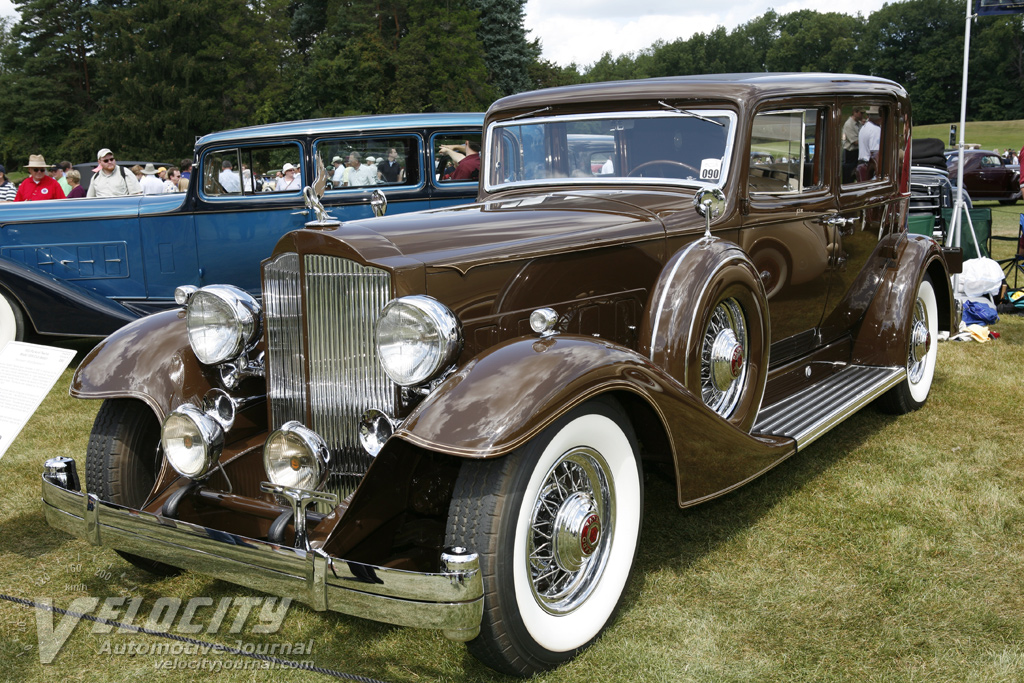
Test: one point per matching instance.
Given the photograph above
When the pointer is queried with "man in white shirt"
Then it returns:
(112, 180)
(150, 183)
(868, 142)
(339, 171)
(358, 174)
(869, 138)
(229, 179)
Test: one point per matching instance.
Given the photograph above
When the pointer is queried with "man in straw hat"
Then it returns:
(112, 180)
(150, 183)
(38, 185)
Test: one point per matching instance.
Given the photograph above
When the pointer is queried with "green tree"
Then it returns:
(174, 69)
(811, 41)
(919, 44)
(440, 63)
(47, 76)
(507, 53)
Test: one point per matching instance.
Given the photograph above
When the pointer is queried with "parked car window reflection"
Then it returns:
(784, 148)
(250, 170)
(381, 161)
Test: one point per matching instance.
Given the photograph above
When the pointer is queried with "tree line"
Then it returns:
(146, 77)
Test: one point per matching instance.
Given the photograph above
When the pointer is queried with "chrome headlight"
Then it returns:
(417, 338)
(223, 322)
(296, 456)
(192, 441)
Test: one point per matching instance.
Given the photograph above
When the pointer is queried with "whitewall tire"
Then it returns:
(556, 524)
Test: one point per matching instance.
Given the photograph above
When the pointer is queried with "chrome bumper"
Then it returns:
(451, 601)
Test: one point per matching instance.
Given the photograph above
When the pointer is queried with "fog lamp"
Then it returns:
(296, 456)
(192, 441)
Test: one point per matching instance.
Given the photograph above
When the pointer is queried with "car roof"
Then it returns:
(738, 87)
(352, 124)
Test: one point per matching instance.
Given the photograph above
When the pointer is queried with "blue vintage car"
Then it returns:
(85, 267)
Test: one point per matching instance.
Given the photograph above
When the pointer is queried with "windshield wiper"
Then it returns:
(686, 112)
(529, 113)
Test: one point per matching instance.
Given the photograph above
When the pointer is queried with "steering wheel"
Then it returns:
(667, 162)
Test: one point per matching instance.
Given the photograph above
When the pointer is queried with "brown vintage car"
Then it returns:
(442, 419)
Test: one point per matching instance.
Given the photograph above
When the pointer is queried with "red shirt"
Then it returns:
(468, 168)
(31, 191)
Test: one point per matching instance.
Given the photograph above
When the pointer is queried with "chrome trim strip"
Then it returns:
(451, 601)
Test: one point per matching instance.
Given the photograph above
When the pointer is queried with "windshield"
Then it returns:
(678, 147)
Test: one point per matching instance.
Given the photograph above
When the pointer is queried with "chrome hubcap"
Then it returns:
(724, 358)
(577, 532)
(569, 532)
(920, 343)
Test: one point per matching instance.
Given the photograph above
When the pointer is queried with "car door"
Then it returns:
(868, 213)
(789, 199)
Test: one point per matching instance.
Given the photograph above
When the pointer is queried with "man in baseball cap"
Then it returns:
(112, 180)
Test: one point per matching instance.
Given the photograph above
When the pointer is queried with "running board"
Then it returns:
(810, 413)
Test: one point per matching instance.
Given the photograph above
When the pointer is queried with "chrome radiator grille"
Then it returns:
(339, 300)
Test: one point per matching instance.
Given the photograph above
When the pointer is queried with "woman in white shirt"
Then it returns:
(290, 182)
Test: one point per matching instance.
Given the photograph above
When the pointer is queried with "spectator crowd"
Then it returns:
(60, 181)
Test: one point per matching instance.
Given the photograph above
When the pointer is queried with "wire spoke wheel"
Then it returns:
(569, 536)
(723, 360)
(912, 392)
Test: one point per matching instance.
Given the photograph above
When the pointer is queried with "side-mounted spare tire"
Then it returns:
(708, 326)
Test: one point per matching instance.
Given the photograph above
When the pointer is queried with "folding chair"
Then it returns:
(1014, 265)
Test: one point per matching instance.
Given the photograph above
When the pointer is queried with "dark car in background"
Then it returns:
(986, 175)
(85, 267)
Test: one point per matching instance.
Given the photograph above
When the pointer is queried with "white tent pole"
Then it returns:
(953, 237)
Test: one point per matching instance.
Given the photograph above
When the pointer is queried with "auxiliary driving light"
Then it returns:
(192, 441)
(296, 456)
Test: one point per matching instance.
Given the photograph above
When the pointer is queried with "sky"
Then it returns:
(581, 31)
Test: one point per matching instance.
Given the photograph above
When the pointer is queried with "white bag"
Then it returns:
(981, 276)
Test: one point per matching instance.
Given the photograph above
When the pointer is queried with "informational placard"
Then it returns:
(27, 373)
(984, 7)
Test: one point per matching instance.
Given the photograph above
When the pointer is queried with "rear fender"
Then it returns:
(149, 360)
(59, 307)
(881, 339)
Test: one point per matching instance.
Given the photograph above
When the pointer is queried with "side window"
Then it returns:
(786, 151)
(864, 143)
(252, 170)
(455, 157)
(360, 162)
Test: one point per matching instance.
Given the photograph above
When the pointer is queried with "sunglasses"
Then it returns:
(107, 161)
(37, 170)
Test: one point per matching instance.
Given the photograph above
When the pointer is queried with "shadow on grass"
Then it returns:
(677, 539)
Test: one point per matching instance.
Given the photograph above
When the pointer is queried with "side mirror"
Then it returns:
(709, 204)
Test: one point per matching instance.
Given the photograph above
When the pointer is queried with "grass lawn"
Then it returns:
(890, 550)
(995, 135)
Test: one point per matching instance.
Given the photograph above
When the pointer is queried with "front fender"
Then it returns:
(149, 360)
(509, 394)
(881, 339)
(56, 306)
